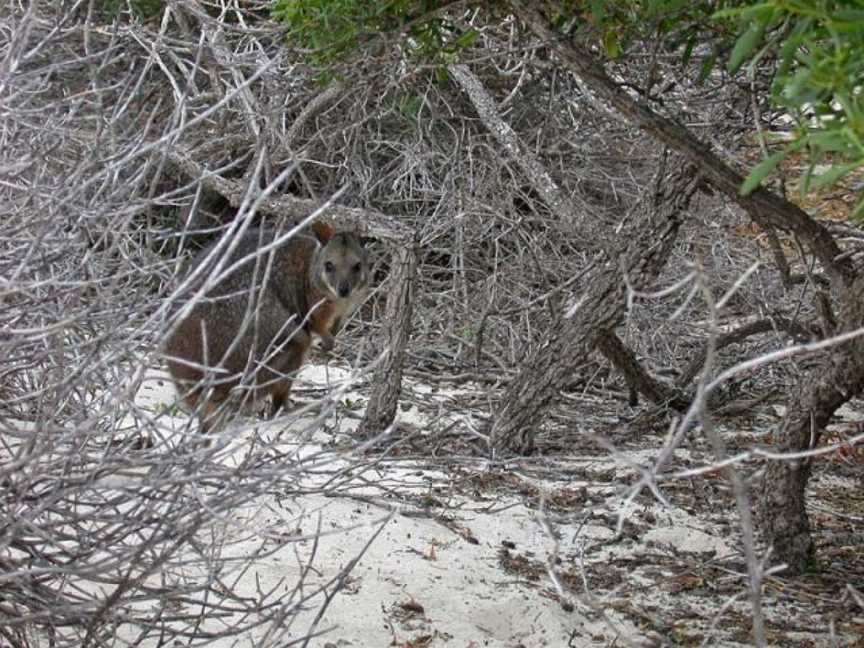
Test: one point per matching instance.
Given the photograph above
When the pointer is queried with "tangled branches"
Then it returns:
(126, 144)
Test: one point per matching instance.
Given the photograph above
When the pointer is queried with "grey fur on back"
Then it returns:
(253, 307)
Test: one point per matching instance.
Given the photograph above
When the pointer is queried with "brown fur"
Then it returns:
(251, 331)
(322, 231)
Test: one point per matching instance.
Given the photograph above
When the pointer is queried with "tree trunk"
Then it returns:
(387, 382)
(548, 368)
(781, 512)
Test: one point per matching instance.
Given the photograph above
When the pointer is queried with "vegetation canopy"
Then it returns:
(810, 50)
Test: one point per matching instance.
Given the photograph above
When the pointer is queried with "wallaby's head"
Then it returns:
(341, 266)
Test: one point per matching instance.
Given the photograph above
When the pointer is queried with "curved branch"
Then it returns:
(638, 379)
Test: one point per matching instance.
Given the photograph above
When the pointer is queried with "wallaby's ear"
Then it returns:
(322, 231)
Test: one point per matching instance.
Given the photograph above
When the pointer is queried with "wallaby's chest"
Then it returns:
(323, 313)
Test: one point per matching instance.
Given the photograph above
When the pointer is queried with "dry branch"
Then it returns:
(504, 134)
(639, 380)
(739, 335)
(366, 222)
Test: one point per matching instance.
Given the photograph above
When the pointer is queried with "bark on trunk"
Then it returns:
(387, 382)
(547, 368)
(781, 512)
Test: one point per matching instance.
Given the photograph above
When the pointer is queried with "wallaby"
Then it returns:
(253, 328)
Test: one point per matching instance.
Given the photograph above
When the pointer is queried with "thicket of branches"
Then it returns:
(113, 526)
(129, 142)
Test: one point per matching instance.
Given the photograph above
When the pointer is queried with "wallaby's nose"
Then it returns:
(344, 289)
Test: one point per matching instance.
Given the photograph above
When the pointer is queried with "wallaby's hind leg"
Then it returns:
(280, 393)
(289, 362)
(212, 411)
(211, 416)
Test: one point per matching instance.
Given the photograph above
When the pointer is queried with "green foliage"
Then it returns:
(353, 405)
(141, 9)
(410, 106)
(672, 25)
(333, 29)
(818, 46)
(467, 333)
(815, 46)
(761, 170)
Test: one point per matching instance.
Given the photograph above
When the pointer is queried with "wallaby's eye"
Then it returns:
(328, 266)
(357, 268)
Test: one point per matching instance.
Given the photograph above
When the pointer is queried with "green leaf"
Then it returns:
(836, 172)
(466, 39)
(858, 212)
(849, 15)
(707, 67)
(610, 43)
(789, 48)
(833, 141)
(746, 14)
(806, 179)
(745, 44)
(410, 106)
(727, 13)
(688, 50)
(760, 171)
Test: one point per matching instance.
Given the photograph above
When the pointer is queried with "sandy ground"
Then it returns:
(524, 554)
